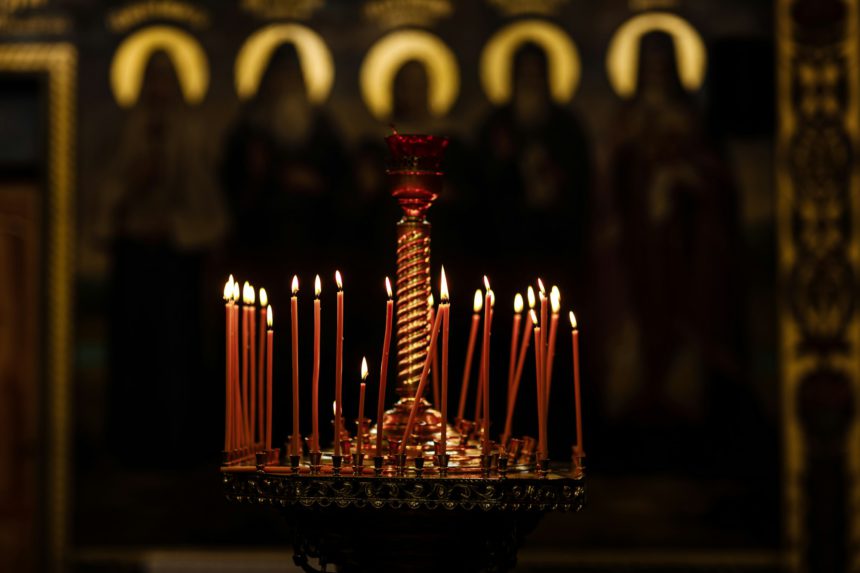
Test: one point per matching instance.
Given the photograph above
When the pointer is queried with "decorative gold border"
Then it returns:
(799, 98)
(59, 61)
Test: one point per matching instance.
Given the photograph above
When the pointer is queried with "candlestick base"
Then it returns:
(426, 429)
(442, 461)
(336, 464)
(543, 468)
(419, 466)
(378, 465)
(294, 463)
(316, 462)
(503, 466)
(357, 464)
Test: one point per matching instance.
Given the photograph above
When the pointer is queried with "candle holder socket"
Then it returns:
(543, 467)
(336, 464)
(357, 463)
(261, 459)
(378, 465)
(503, 467)
(294, 463)
(486, 465)
(400, 463)
(442, 461)
(515, 448)
(419, 466)
(225, 457)
(316, 462)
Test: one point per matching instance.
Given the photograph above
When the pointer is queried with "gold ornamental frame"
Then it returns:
(818, 233)
(58, 61)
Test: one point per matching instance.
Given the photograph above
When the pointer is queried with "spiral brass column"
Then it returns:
(416, 179)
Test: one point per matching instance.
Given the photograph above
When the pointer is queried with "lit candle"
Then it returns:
(238, 419)
(383, 369)
(575, 337)
(515, 335)
(294, 315)
(555, 307)
(316, 377)
(264, 304)
(270, 335)
(422, 383)
(228, 331)
(247, 315)
(473, 335)
(544, 332)
(338, 365)
(252, 365)
(485, 355)
(434, 370)
(539, 386)
(445, 309)
(521, 361)
(361, 391)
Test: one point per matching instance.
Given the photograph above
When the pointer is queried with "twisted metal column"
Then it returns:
(413, 291)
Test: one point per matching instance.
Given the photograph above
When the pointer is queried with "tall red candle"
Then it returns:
(270, 336)
(246, 349)
(359, 437)
(470, 350)
(434, 370)
(338, 366)
(515, 335)
(383, 369)
(518, 374)
(539, 387)
(575, 340)
(422, 383)
(446, 310)
(294, 317)
(252, 366)
(555, 306)
(261, 421)
(488, 305)
(315, 399)
(228, 332)
(238, 418)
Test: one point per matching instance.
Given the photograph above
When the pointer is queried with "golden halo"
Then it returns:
(564, 64)
(622, 58)
(387, 56)
(130, 58)
(314, 58)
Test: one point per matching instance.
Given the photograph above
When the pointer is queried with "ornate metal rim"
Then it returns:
(513, 494)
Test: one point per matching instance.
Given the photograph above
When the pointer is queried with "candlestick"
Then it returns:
(294, 317)
(316, 375)
(575, 340)
(261, 420)
(516, 364)
(485, 355)
(544, 332)
(252, 366)
(270, 336)
(237, 394)
(434, 370)
(422, 382)
(361, 391)
(246, 348)
(338, 365)
(446, 311)
(555, 307)
(473, 334)
(539, 387)
(228, 420)
(383, 369)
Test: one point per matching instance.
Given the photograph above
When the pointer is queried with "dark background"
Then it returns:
(653, 214)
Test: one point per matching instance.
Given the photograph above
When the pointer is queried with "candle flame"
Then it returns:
(486, 283)
(554, 301)
(295, 286)
(247, 293)
(388, 288)
(518, 303)
(364, 368)
(430, 300)
(478, 303)
(235, 292)
(554, 291)
(264, 298)
(338, 280)
(534, 317)
(317, 286)
(572, 320)
(531, 296)
(269, 318)
(228, 290)
(444, 288)
(231, 280)
(334, 409)
(492, 298)
(541, 287)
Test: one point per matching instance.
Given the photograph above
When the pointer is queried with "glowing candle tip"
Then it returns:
(338, 280)
(572, 321)
(530, 293)
(364, 370)
(295, 286)
(317, 286)
(518, 303)
(388, 288)
(478, 302)
(264, 298)
(269, 318)
(443, 290)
